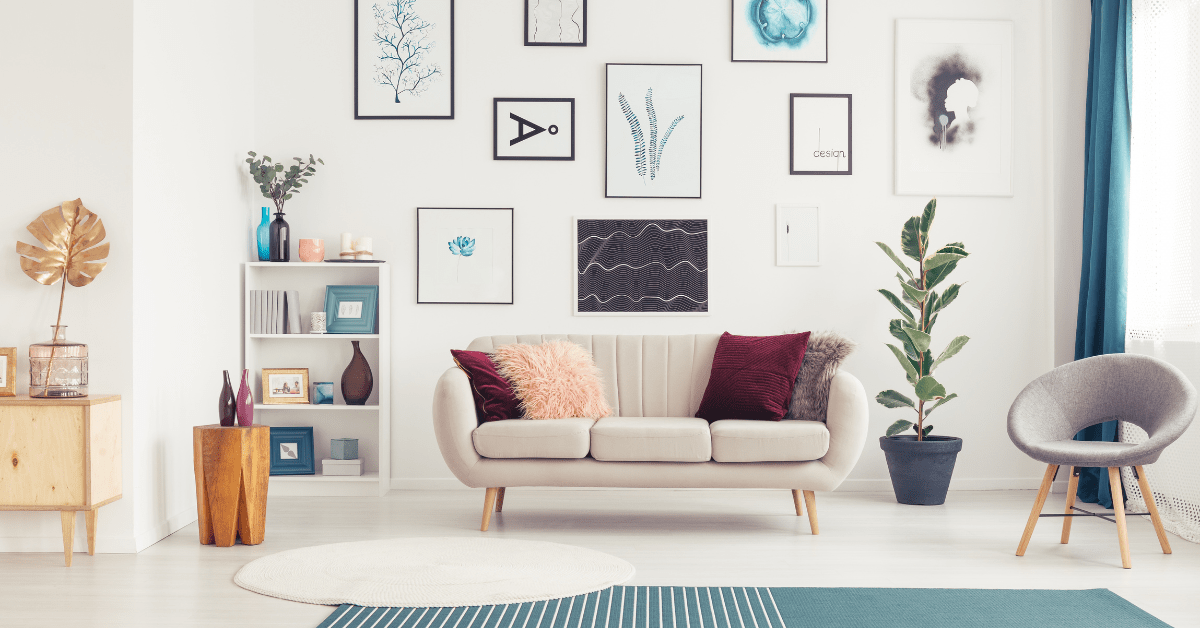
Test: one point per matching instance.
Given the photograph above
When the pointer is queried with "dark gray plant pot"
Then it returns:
(920, 470)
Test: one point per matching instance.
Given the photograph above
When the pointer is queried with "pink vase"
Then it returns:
(245, 401)
(312, 250)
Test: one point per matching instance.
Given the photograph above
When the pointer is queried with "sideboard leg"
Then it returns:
(68, 526)
(91, 530)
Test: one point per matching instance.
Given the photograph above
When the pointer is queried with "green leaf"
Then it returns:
(935, 276)
(927, 221)
(929, 325)
(278, 167)
(909, 370)
(927, 430)
(919, 338)
(926, 360)
(929, 388)
(899, 305)
(938, 259)
(896, 329)
(901, 264)
(948, 297)
(913, 293)
(287, 197)
(893, 399)
(954, 249)
(898, 426)
(951, 350)
(910, 238)
(320, 161)
(939, 403)
(266, 159)
(252, 153)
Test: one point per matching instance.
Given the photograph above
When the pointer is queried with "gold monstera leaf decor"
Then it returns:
(71, 234)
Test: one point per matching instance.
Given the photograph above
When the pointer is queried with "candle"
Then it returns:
(346, 246)
(362, 244)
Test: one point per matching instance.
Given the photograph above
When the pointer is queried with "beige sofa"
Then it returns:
(654, 384)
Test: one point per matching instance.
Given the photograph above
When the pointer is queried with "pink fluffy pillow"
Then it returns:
(555, 380)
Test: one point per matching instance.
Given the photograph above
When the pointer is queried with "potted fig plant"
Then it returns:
(920, 464)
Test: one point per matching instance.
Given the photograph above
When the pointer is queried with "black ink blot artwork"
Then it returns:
(949, 85)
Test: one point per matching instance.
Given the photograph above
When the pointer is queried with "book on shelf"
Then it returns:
(275, 312)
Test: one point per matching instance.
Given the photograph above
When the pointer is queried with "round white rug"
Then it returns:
(433, 572)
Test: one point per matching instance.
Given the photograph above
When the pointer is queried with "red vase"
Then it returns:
(245, 401)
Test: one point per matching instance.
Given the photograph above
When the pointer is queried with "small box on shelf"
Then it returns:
(341, 467)
(343, 448)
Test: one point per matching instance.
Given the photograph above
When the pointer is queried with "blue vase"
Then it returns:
(263, 236)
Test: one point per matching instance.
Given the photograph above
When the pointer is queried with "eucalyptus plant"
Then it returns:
(277, 184)
(919, 306)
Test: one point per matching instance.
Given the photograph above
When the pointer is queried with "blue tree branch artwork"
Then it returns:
(461, 247)
(403, 40)
(642, 163)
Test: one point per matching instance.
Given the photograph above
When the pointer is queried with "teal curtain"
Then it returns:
(1100, 328)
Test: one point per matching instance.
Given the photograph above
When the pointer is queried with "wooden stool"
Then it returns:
(233, 468)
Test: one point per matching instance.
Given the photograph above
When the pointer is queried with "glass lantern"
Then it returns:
(58, 367)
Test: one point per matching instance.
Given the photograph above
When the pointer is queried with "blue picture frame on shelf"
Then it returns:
(292, 451)
(351, 309)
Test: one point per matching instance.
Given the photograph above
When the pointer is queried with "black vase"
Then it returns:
(227, 405)
(357, 379)
(281, 243)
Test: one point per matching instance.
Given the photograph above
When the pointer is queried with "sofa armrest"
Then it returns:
(846, 419)
(453, 422)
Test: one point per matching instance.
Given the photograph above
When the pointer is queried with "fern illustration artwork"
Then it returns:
(646, 162)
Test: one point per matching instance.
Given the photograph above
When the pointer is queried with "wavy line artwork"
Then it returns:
(555, 21)
(641, 266)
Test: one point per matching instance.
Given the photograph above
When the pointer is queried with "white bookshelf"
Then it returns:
(325, 356)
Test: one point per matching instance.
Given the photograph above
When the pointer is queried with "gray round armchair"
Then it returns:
(1141, 390)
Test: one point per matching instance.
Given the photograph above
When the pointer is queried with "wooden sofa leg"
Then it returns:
(500, 500)
(489, 504)
(810, 502)
(796, 498)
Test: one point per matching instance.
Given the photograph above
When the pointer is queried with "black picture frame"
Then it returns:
(849, 135)
(551, 128)
(357, 116)
(700, 165)
(583, 30)
(305, 461)
(511, 259)
(732, 53)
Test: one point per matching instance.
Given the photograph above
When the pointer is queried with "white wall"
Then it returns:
(193, 121)
(65, 129)
(379, 171)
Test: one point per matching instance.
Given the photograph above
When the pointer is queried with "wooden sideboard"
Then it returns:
(61, 454)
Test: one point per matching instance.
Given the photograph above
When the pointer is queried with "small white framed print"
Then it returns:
(464, 255)
(821, 134)
(797, 235)
(533, 129)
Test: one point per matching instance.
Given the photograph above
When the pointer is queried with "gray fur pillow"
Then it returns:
(810, 396)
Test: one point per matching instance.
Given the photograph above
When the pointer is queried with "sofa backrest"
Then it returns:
(650, 376)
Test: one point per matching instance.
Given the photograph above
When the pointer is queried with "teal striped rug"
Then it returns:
(774, 607)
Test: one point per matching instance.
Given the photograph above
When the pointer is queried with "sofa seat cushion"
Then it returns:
(651, 439)
(518, 438)
(737, 440)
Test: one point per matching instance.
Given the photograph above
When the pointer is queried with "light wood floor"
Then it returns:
(692, 538)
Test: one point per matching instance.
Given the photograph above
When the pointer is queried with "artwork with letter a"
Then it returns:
(954, 108)
(403, 59)
(641, 267)
(653, 125)
(821, 134)
(535, 129)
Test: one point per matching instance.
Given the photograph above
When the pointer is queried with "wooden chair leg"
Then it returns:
(810, 502)
(1072, 489)
(1144, 484)
(796, 499)
(489, 504)
(68, 530)
(1114, 484)
(1047, 480)
(90, 519)
(500, 500)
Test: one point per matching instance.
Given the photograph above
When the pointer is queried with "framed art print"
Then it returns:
(284, 386)
(403, 59)
(821, 134)
(653, 129)
(292, 451)
(641, 267)
(794, 31)
(536, 129)
(954, 107)
(797, 235)
(351, 309)
(464, 255)
(8, 371)
(555, 22)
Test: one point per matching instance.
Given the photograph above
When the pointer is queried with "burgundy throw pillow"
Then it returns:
(494, 398)
(752, 377)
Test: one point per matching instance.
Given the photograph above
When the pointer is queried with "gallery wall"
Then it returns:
(379, 171)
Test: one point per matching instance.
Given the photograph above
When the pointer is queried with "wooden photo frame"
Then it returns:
(8, 371)
(285, 386)
(292, 451)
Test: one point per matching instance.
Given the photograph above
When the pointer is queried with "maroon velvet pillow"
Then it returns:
(752, 377)
(494, 398)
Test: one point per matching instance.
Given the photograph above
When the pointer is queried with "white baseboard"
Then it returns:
(164, 529)
(849, 486)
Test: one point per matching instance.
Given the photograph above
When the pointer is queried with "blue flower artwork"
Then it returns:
(462, 247)
(780, 30)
